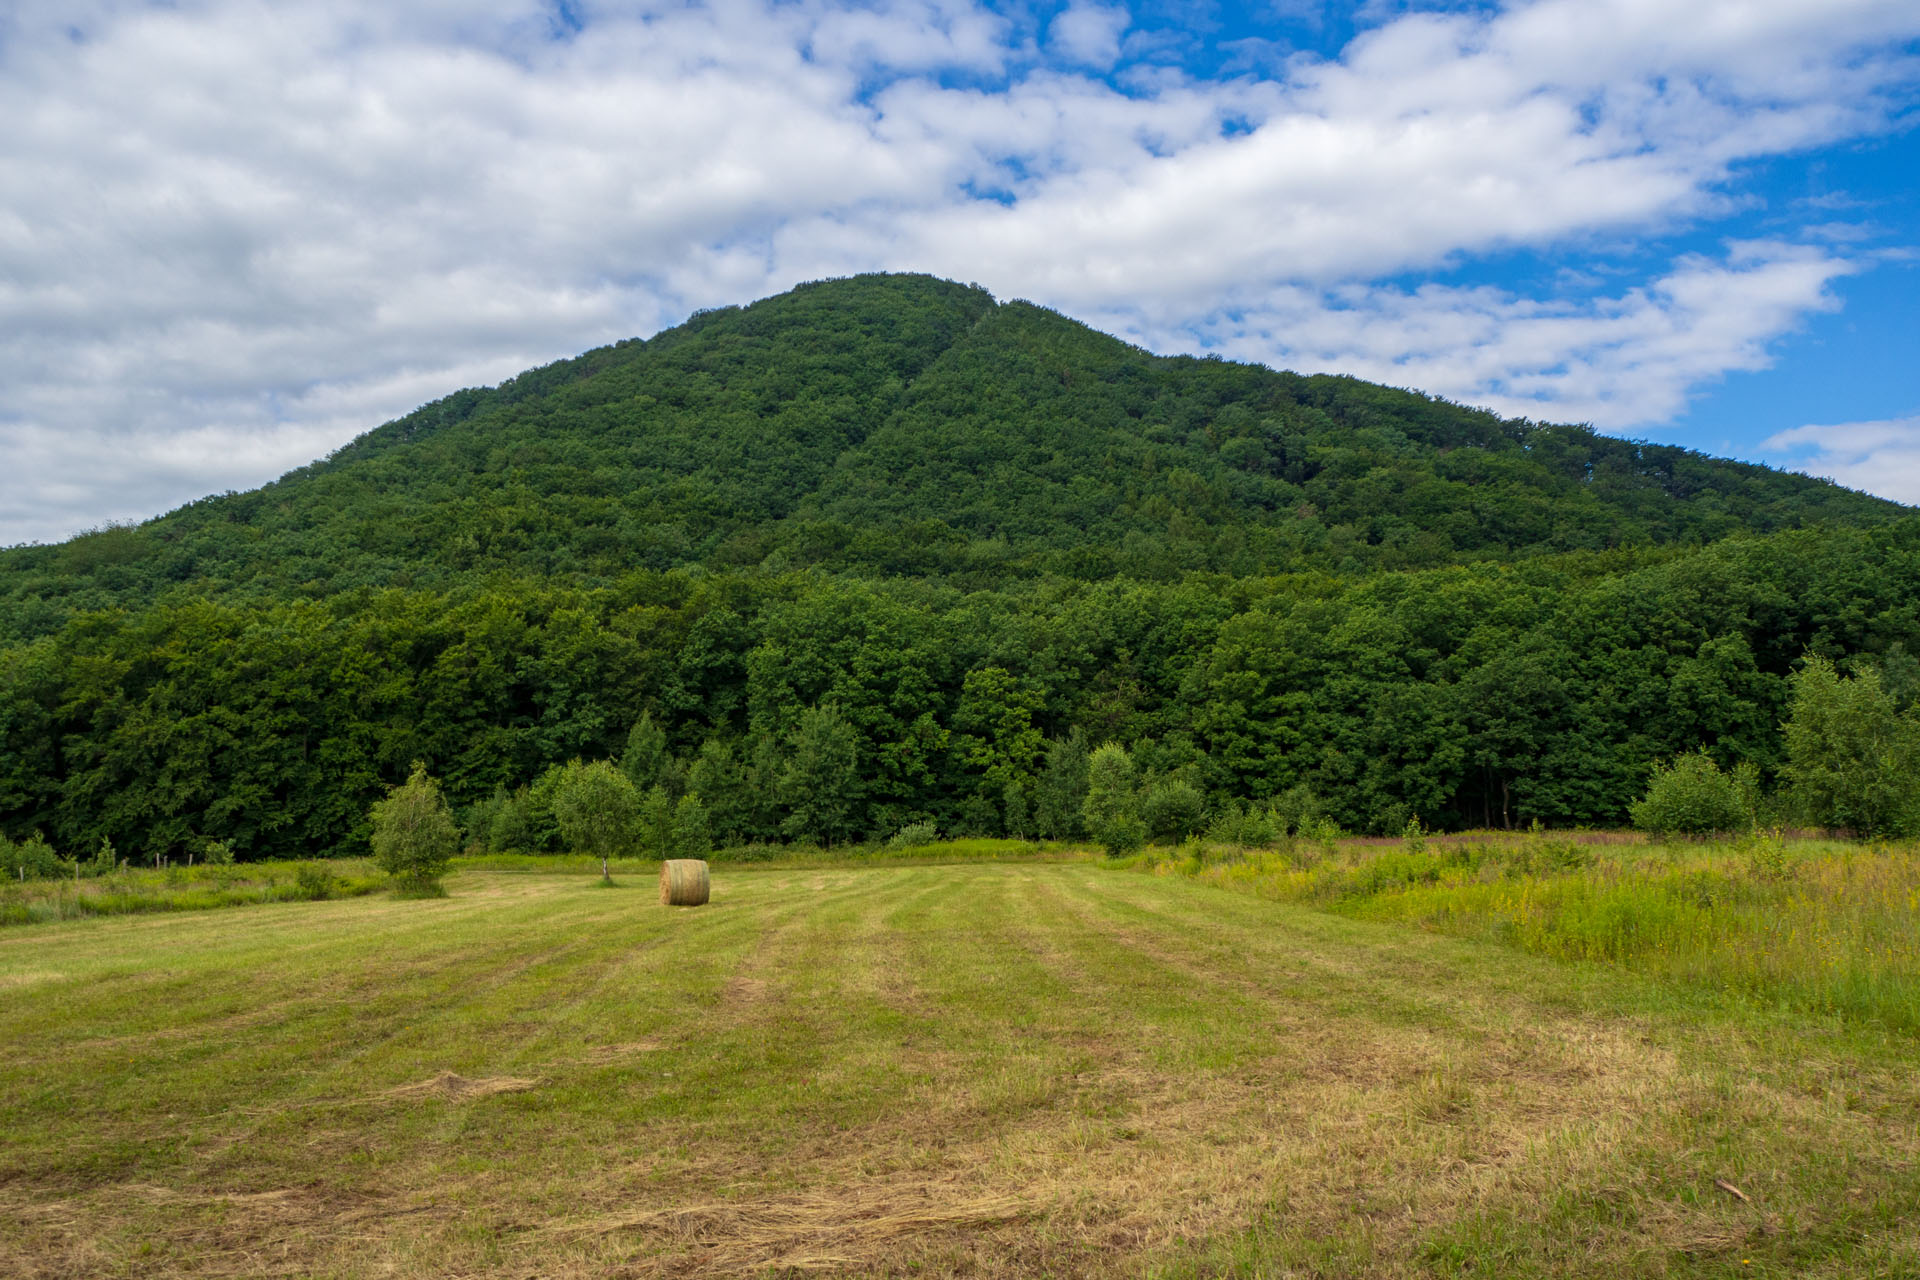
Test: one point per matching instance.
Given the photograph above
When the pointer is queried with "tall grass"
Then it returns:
(135, 890)
(1820, 927)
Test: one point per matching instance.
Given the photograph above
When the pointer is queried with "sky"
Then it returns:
(235, 235)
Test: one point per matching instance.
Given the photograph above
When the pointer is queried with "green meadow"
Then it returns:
(1263, 1064)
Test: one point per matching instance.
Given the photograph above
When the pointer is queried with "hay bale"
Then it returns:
(683, 882)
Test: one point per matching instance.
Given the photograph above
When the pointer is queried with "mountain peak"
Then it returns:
(901, 424)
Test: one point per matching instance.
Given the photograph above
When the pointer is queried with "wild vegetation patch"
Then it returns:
(1825, 927)
(137, 890)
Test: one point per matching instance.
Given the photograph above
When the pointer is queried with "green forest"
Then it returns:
(882, 552)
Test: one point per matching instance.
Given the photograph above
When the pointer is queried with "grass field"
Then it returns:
(979, 1070)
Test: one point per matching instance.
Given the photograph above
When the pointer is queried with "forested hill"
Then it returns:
(907, 426)
(882, 551)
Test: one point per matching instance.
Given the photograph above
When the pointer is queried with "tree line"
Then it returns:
(807, 706)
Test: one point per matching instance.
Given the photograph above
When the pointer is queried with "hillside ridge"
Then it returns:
(902, 425)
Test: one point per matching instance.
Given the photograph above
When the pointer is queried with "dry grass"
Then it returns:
(954, 1071)
(455, 1087)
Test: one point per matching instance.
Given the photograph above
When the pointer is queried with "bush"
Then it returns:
(1296, 810)
(312, 882)
(1324, 834)
(1172, 809)
(913, 835)
(31, 859)
(1249, 826)
(414, 836)
(1692, 797)
(541, 831)
(1538, 856)
(1119, 837)
(215, 853)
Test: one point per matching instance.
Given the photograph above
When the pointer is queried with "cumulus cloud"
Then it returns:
(235, 234)
(1618, 361)
(1881, 457)
(1089, 34)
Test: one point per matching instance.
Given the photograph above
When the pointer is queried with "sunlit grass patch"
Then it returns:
(1822, 926)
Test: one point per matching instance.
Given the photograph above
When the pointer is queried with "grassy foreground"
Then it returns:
(960, 1070)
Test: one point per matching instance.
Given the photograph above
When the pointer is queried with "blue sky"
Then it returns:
(234, 235)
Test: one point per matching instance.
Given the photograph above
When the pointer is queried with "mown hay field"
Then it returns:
(991, 1070)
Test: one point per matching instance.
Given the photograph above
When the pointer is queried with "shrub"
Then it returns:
(654, 824)
(1767, 857)
(1538, 856)
(542, 831)
(1295, 810)
(414, 836)
(31, 859)
(913, 835)
(1323, 833)
(1249, 826)
(1389, 817)
(312, 882)
(1691, 797)
(1172, 809)
(1119, 837)
(511, 828)
(215, 853)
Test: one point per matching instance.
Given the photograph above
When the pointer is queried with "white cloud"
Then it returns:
(1617, 362)
(1878, 457)
(1089, 34)
(234, 233)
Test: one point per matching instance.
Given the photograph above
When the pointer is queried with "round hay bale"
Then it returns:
(683, 882)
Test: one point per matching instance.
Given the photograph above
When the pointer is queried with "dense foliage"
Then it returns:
(1853, 752)
(883, 551)
(899, 425)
